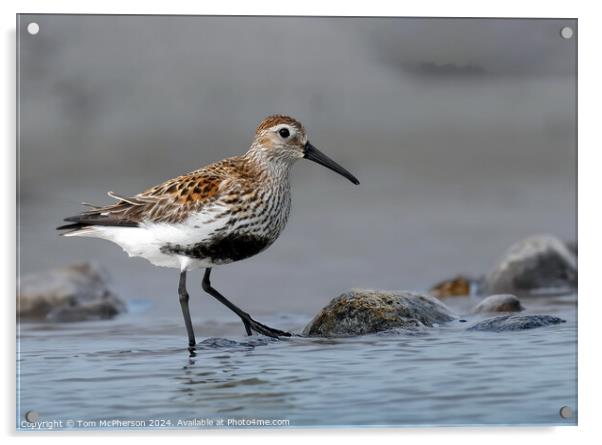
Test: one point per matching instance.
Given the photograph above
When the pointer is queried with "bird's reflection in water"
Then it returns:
(215, 364)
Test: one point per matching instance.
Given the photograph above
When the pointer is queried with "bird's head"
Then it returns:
(281, 138)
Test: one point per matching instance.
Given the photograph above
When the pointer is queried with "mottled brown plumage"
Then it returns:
(173, 200)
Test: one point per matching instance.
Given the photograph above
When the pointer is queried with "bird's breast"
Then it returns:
(263, 214)
(240, 231)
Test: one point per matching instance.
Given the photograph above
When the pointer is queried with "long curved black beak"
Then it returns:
(313, 154)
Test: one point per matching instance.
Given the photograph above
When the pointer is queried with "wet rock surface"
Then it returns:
(360, 312)
(499, 303)
(515, 323)
(74, 293)
(535, 266)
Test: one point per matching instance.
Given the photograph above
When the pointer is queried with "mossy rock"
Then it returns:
(360, 312)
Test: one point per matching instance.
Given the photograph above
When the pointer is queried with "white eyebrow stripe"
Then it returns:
(291, 128)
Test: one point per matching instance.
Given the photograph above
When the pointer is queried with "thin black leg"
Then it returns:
(183, 293)
(250, 324)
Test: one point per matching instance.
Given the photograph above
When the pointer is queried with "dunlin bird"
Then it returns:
(221, 213)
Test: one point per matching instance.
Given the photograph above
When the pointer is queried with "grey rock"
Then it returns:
(515, 323)
(499, 303)
(75, 293)
(573, 246)
(360, 312)
(535, 266)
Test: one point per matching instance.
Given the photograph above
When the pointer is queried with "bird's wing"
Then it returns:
(171, 201)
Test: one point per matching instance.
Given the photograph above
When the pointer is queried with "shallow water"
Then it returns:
(136, 367)
(132, 369)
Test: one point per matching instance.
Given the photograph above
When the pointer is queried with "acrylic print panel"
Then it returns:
(453, 260)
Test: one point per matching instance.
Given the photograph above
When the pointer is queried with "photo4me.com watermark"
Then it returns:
(46, 425)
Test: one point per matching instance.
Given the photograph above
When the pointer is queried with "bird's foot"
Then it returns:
(260, 328)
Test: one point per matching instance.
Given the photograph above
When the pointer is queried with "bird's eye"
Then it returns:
(284, 133)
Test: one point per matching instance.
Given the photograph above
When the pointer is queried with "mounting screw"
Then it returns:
(31, 416)
(566, 412)
(566, 32)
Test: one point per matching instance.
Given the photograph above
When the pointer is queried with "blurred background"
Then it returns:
(461, 131)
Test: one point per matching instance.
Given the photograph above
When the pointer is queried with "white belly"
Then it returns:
(147, 240)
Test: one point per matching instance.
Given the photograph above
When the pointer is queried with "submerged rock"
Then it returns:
(499, 303)
(536, 265)
(458, 286)
(360, 312)
(515, 323)
(75, 293)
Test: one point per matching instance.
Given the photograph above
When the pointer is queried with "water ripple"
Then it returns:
(443, 376)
